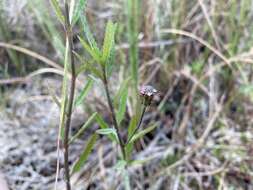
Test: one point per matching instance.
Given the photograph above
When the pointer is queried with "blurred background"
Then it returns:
(198, 54)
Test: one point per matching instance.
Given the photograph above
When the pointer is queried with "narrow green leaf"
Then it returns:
(122, 106)
(80, 6)
(72, 4)
(84, 92)
(87, 65)
(81, 69)
(96, 80)
(64, 92)
(104, 125)
(47, 26)
(109, 42)
(101, 122)
(110, 132)
(58, 11)
(129, 148)
(63, 116)
(131, 127)
(97, 73)
(85, 126)
(95, 55)
(120, 100)
(84, 156)
(89, 36)
(143, 132)
(107, 131)
(133, 26)
(110, 62)
(119, 93)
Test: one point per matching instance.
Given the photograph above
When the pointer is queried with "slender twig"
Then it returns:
(69, 37)
(139, 124)
(109, 100)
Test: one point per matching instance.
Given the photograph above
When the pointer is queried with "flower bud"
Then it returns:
(147, 94)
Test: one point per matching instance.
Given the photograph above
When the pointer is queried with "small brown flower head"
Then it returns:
(147, 93)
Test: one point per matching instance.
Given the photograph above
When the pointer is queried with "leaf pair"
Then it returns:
(138, 135)
(111, 132)
(105, 56)
(74, 15)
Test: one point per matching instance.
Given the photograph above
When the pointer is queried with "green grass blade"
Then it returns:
(48, 27)
(64, 90)
(6, 36)
(80, 6)
(58, 11)
(84, 92)
(72, 4)
(101, 122)
(85, 126)
(132, 16)
(85, 154)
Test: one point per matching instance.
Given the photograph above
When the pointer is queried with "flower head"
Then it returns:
(147, 93)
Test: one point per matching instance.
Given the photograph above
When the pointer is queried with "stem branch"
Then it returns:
(69, 38)
(122, 147)
(139, 124)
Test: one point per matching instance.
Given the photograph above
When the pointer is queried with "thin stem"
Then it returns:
(113, 114)
(69, 37)
(139, 124)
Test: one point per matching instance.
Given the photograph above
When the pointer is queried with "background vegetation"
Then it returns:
(197, 54)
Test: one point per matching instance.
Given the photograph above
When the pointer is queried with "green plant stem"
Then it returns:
(139, 124)
(122, 147)
(69, 37)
